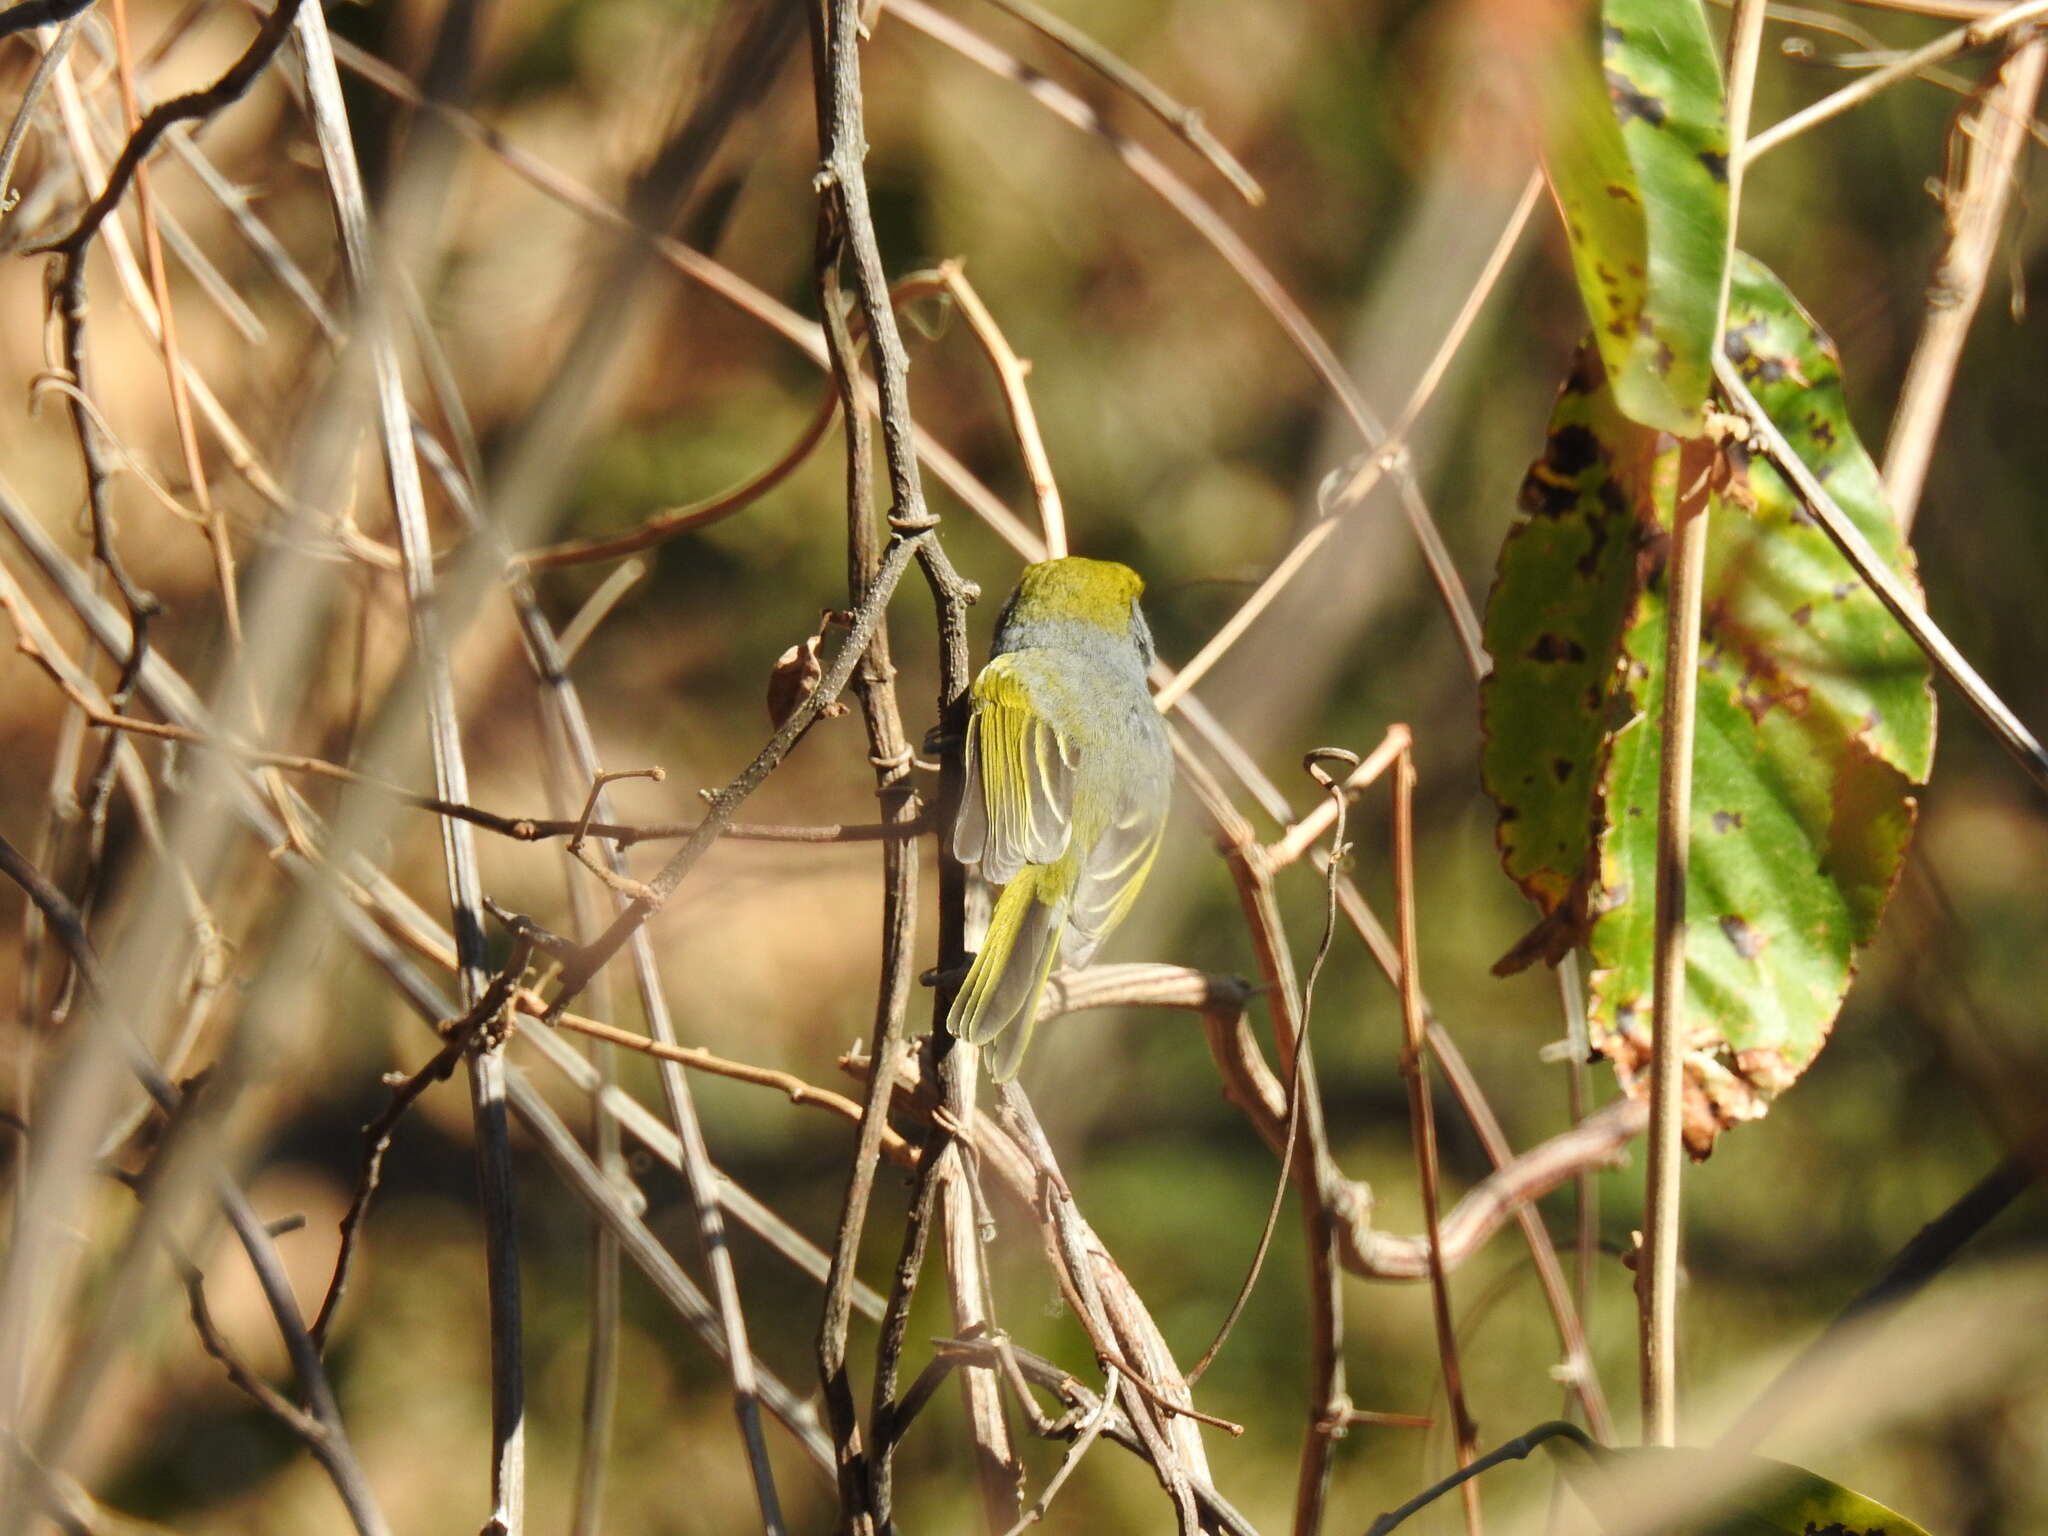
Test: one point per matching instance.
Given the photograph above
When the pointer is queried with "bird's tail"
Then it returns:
(1000, 995)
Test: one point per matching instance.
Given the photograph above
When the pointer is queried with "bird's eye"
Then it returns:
(1141, 635)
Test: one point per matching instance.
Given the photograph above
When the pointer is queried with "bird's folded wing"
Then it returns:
(1016, 807)
(1111, 874)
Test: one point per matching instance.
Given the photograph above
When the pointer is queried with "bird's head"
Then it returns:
(1100, 594)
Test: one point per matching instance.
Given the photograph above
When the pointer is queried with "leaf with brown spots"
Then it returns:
(1636, 151)
(1814, 719)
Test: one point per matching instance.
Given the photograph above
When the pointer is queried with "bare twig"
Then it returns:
(24, 113)
(1899, 601)
(524, 829)
(320, 1425)
(167, 338)
(1082, 1444)
(1390, 453)
(893, 1146)
(1080, 1403)
(1422, 1120)
(1113, 1316)
(30, 14)
(451, 776)
(1986, 28)
(1685, 578)
(369, 908)
(1253, 272)
(1600, 1141)
(663, 526)
(1314, 1174)
(1336, 805)
(1184, 121)
(1542, 1251)
(1657, 1272)
(1994, 133)
(1011, 372)
(846, 236)
(465, 1035)
(725, 802)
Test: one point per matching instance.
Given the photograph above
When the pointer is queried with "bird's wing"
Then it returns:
(1016, 807)
(1111, 874)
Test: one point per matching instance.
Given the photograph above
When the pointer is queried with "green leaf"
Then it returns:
(1814, 716)
(1765, 1498)
(1637, 156)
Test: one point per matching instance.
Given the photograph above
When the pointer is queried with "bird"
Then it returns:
(1068, 776)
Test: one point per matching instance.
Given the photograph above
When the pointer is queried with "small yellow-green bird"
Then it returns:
(1068, 778)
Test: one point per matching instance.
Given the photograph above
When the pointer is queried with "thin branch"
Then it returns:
(1601, 1140)
(1422, 1120)
(725, 802)
(1974, 205)
(1185, 121)
(1315, 1174)
(381, 919)
(524, 829)
(1685, 585)
(27, 15)
(1391, 452)
(1657, 1272)
(464, 1036)
(1987, 28)
(167, 338)
(1011, 372)
(844, 226)
(663, 526)
(893, 1146)
(1307, 832)
(24, 113)
(1110, 1312)
(1337, 805)
(328, 1441)
(1897, 598)
(451, 775)
(194, 106)
(1080, 1403)
(1084, 1442)
(1515, 1450)
(1253, 272)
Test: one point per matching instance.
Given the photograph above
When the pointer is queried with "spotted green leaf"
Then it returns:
(1814, 718)
(1637, 155)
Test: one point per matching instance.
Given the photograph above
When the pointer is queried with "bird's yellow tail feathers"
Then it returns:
(1000, 994)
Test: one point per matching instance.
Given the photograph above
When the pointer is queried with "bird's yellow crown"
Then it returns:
(1098, 592)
